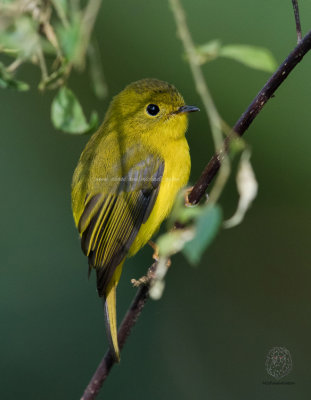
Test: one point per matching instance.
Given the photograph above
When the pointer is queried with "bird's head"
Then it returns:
(148, 107)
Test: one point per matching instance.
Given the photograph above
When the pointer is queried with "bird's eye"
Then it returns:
(152, 109)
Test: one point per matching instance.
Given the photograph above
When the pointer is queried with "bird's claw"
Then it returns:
(144, 280)
(155, 247)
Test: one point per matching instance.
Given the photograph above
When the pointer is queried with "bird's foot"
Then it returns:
(144, 280)
(155, 247)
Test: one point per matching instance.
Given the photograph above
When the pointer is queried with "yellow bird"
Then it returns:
(127, 179)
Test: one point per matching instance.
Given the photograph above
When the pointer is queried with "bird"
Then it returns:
(126, 181)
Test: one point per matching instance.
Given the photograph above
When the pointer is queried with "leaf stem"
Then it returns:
(15, 64)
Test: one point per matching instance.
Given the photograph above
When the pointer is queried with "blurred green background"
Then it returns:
(209, 335)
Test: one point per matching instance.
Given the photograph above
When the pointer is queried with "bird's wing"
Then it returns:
(110, 222)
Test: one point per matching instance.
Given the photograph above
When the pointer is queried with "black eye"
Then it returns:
(152, 109)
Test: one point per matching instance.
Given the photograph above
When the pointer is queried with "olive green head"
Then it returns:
(147, 106)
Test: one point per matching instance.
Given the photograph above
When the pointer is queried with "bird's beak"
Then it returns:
(186, 109)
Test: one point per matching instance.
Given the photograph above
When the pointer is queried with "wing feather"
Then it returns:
(109, 223)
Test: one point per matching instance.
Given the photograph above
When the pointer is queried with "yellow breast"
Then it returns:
(176, 174)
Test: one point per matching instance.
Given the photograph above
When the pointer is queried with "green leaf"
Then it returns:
(180, 212)
(70, 38)
(7, 80)
(21, 36)
(67, 114)
(206, 228)
(251, 56)
(172, 242)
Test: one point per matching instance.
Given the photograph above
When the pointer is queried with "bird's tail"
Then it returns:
(109, 300)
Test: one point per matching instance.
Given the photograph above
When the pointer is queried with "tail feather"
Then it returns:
(111, 322)
(109, 300)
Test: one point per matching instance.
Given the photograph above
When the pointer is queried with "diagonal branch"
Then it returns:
(195, 196)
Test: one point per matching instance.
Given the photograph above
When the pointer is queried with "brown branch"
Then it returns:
(297, 20)
(195, 196)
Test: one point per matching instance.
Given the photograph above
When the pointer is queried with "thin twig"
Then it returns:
(297, 20)
(42, 64)
(195, 196)
(15, 64)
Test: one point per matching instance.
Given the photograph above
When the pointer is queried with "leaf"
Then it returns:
(70, 38)
(67, 114)
(251, 56)
(157, 288)
(180, 212)
(22, 37)
(247, 188)
(7, 80)
(202, 225)
(172, 242)
(206, 228)
(168, 244)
